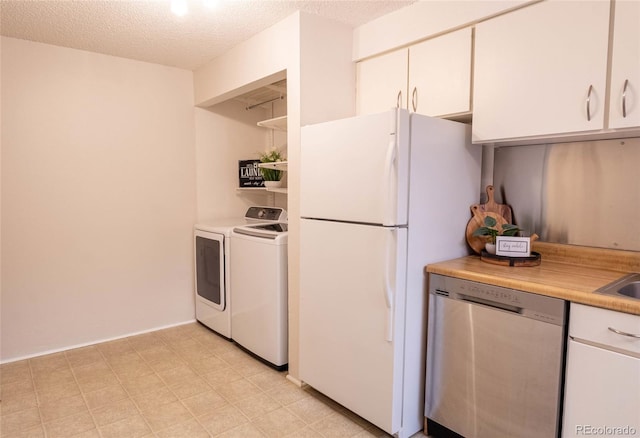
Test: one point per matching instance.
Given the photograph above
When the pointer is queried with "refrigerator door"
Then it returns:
(356, 169)
(352, 283)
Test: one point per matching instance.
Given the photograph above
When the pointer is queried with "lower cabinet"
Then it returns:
(602, 383)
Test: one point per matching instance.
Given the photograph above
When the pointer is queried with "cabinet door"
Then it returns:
(379, 80)
(625, 66)
(534, 68)
(440, 75)
(602, 389)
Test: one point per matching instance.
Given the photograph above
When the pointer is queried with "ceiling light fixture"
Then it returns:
(179, 7)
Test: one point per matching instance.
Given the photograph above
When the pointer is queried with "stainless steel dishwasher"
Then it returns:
(494, 360)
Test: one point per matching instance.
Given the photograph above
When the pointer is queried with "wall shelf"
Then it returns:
(277, 123)
(277, 165)
(262, 189)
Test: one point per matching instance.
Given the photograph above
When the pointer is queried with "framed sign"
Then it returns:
(513, 246)
(249, 174)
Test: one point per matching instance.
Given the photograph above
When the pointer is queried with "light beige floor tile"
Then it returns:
(188, 429)
(69, 426)
(235, 356)
(204, 402)
(279, 423)
(132, 370)
(114, 412)
(189, 388)
(257, 405)
(251, 368)
(57, 392)
(208, 365)
(306, 432)
(268, 379)
(167, 415)
(310, 409)
(32, 432)
(145, 341)
(374, 433)
(131, 427)
(222, 377)
(223, 419)
(17, 421)
(115, 348)
(92, 370)
(174, 376)
(105, 396)
(64, 407)
(247, 430)
(17, 387)
(196, 354)
(15, 372)
(336, 425)
(182, 344)
(84, 356)
(18, 402)
(48, 362)
(287, 394)
(98, 382)
(124, 358)
(140, 385)
(57, 377)
(151, 400)
(238, 390)
(91, 433)
(169, 361)
(155, 352)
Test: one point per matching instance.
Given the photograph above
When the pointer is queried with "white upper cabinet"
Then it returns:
(440, 75)
(382, 83)
(541, 71)
(624, 110)
(431, 78)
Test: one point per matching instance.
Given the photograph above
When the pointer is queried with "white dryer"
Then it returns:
(212, 247)
(260, 292)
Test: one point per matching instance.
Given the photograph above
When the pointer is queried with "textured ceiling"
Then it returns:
(147, 30)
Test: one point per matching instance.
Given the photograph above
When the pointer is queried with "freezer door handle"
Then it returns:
(390, 159)
(388, 287)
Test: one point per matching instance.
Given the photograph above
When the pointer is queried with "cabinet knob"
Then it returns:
(399, 100)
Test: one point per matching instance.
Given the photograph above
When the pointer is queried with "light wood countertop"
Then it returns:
(569, 272)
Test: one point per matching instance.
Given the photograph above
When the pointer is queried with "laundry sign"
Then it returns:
(249, 173)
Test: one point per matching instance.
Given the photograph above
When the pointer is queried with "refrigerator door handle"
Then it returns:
(390, 159)
(388, 288)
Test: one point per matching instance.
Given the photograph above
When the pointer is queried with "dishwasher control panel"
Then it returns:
(527, 304)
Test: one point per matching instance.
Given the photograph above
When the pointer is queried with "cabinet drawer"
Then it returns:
(593, 324)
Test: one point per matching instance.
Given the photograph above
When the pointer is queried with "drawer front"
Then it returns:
(596, 325)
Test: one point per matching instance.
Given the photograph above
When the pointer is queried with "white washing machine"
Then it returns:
(212, 247)
(259, 278)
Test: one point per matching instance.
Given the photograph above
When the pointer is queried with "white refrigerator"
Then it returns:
(381, 196)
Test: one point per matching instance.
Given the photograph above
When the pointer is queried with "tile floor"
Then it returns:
(179, 382)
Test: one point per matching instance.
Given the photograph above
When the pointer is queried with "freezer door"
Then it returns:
(352, 298)
(356, 169)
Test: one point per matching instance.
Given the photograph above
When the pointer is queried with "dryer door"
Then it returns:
(210, 273)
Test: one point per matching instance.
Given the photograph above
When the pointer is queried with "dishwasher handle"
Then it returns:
(490, 303)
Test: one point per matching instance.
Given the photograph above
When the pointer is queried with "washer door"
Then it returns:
(210, 273)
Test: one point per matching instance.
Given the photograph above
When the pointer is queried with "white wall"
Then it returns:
(98, 197)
